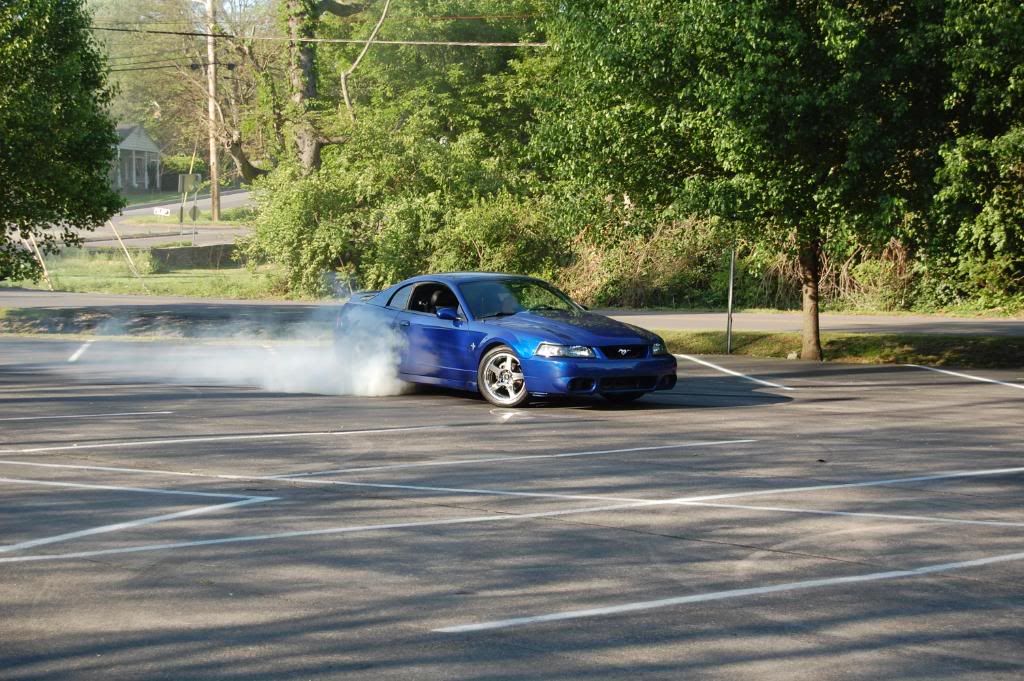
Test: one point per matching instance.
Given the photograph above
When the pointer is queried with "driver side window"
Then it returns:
(428, 297)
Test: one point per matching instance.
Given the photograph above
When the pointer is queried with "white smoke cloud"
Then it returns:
(305, 358)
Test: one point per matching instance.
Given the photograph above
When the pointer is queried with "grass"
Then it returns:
(106, 271)
(993, 352)
(136, 199)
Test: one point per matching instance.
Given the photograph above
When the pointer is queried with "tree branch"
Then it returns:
(366, 47)
(341, 8)
(233, 144)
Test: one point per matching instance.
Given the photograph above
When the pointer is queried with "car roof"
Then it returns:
(462, 277)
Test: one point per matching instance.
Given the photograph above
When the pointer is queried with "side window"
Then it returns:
(400, 299)
(428, 297)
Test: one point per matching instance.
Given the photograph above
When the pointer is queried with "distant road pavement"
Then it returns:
(684, 321)
(140, 235)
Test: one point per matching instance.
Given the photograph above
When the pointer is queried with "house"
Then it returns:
(138, 160)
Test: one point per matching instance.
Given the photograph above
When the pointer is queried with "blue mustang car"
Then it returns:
(510, 337)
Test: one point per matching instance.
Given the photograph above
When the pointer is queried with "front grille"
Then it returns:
(628, 383)
(625, 351)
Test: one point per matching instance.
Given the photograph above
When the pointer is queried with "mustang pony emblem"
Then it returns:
(623, 351)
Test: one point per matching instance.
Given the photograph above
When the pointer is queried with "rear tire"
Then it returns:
(622, 398)
(500, 379)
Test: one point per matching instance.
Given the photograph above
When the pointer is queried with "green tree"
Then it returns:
(798, 122)
(979, 208)
(57, 142)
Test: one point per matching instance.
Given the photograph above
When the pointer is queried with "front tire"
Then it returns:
(500, 378)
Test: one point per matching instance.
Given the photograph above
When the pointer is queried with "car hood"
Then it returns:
(574, 328)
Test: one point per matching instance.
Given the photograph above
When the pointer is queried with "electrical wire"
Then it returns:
(144, 63)
(147, 68)
(345, 41)
(142, 56)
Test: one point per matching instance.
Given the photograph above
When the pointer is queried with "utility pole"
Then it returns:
(211, 76)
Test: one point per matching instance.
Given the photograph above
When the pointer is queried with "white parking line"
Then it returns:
(240, 500)
(131, 444)
(151, 520)
(627, 504)
(115, 488)
(309, 533)
(526, 457)
(696, 360)
(77, 354)
(858, 514)
(87, 416)
(728, 594)
(867, 483)
(1018, 386)
(946, 475)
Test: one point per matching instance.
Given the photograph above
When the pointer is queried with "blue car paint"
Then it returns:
(447, 353)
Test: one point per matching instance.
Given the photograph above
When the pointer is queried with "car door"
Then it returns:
(436, 348)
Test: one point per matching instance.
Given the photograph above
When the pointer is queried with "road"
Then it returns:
(191, 511)
(25, 298)
(154, 234)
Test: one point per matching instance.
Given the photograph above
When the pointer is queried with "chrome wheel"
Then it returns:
(501, 378)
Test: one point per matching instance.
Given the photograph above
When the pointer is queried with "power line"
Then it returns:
(146, 68)
(347, 41)
(142, 56)
(141, 22)
(484, 17)
(143, 63)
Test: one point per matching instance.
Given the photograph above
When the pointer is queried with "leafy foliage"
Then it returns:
(857, 153)
(56, 140)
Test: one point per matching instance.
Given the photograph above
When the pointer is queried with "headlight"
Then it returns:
(552, 350)
(658, 349)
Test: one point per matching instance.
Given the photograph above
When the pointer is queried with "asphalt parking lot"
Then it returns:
(784, 521)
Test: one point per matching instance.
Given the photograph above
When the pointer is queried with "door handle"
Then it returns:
(403, 323)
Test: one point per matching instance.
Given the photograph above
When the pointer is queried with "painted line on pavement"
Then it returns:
(87, 416)
(501, 459)
(309, 533)
(130, 444)
(946, 475)
(728, 594)
(77, 354)
(691, 358)
(858, 514)
(868, 483)
(1018, 386)
(626, 505)
(141, 522)
(116, 488)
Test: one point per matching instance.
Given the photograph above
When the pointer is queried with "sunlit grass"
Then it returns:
(107, 271)
(866, 348)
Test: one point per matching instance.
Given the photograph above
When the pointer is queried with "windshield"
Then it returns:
(508, 296)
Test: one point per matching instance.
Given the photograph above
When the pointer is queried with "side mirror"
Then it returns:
(450, 314)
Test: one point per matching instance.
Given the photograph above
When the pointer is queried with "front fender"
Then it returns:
(524, 347)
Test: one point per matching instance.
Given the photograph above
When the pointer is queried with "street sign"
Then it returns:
(188, 182)
(165, 212)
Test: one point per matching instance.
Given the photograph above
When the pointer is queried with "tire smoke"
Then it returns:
(305, 356)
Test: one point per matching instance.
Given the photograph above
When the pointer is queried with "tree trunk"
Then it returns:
(234, 148)
(810, 275)
(303, 81)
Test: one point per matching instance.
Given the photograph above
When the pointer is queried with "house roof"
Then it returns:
(133, 137)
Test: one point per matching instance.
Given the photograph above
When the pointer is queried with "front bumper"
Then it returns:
(565, 376)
